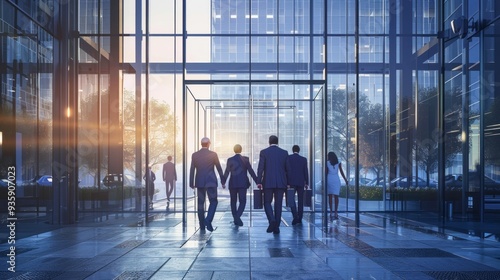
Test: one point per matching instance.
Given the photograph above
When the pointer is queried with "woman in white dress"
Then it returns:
(333, 187)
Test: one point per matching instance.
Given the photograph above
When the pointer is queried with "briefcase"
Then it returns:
(258, 199)
(290, 197)
(308, 198)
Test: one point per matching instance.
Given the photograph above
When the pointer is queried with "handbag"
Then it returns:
(258, 199)
(308, 198)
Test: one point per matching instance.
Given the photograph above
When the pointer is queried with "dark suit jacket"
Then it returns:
(169, 173)
(238, 166)
(273, 167)
(203, 162)
(150, 177)
(299, 174)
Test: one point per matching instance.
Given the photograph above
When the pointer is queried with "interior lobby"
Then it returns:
(95, 91)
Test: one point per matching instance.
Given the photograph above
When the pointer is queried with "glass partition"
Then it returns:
(26, 109)
(129, 94)
(230, 114)
(318, 156)
(491, 127)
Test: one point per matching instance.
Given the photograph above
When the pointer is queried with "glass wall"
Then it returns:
(490, 93)
(470, 123)
(130, 81)
(261, 80)
(408, 97)
(26, 112)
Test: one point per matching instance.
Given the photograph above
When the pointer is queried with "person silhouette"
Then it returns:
(333, 166)
(169, 177)
(237, 168)
(272, 178)
(202, 177)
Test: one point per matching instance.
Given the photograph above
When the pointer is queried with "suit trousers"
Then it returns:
(277, 195)
(241, 195)
(211, 192)
(169, 186)
(298, 213)
(151, 192)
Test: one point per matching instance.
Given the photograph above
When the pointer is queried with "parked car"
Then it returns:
(377, 182)
(44, 181)
(39, 180)
(32, 182)
(489, 183)
(412, 182)
(4, 183)
(352, 181)
(453, 181)
(115, 180)
(456, 181)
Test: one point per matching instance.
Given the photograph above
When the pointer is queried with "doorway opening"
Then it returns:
(247, 114)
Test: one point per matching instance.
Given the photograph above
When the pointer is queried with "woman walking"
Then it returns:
(332, 172)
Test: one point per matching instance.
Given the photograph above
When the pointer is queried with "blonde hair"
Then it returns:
(237, 148)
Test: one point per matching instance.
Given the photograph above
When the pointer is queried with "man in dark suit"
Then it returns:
(272, 176)
(169, 177)
(298, 179)
(238, 166)
(150, 178)
(203, 163)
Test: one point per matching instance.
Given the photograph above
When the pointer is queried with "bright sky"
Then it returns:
(161, 48)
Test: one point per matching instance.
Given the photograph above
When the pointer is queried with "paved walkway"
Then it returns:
(122, 248)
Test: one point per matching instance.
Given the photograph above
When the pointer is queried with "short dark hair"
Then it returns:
(273, 139)
(295, 148)
(169, 158)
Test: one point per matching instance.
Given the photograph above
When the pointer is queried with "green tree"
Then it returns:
(162, 133)
(337, 123)
(340, 122)
(88, 135)
(371, 138)
(427, 135)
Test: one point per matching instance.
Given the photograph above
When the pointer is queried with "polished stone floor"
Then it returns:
(123, 247)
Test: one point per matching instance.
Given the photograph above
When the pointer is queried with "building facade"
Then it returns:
(404, 92)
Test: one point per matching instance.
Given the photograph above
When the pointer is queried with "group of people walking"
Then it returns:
(277, 171)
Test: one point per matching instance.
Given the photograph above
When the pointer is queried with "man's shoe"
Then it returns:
(271, 227)
(238, 222)
(202, 230)
(276, 230)
(209, 225)
(295, 221)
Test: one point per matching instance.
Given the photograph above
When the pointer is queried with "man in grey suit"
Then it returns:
(298, 179)
(238, 166)
(203, 163)
(169, 177)
(272, 177)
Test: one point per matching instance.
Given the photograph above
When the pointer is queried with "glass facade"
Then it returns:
(26, 126)
(404, 92)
